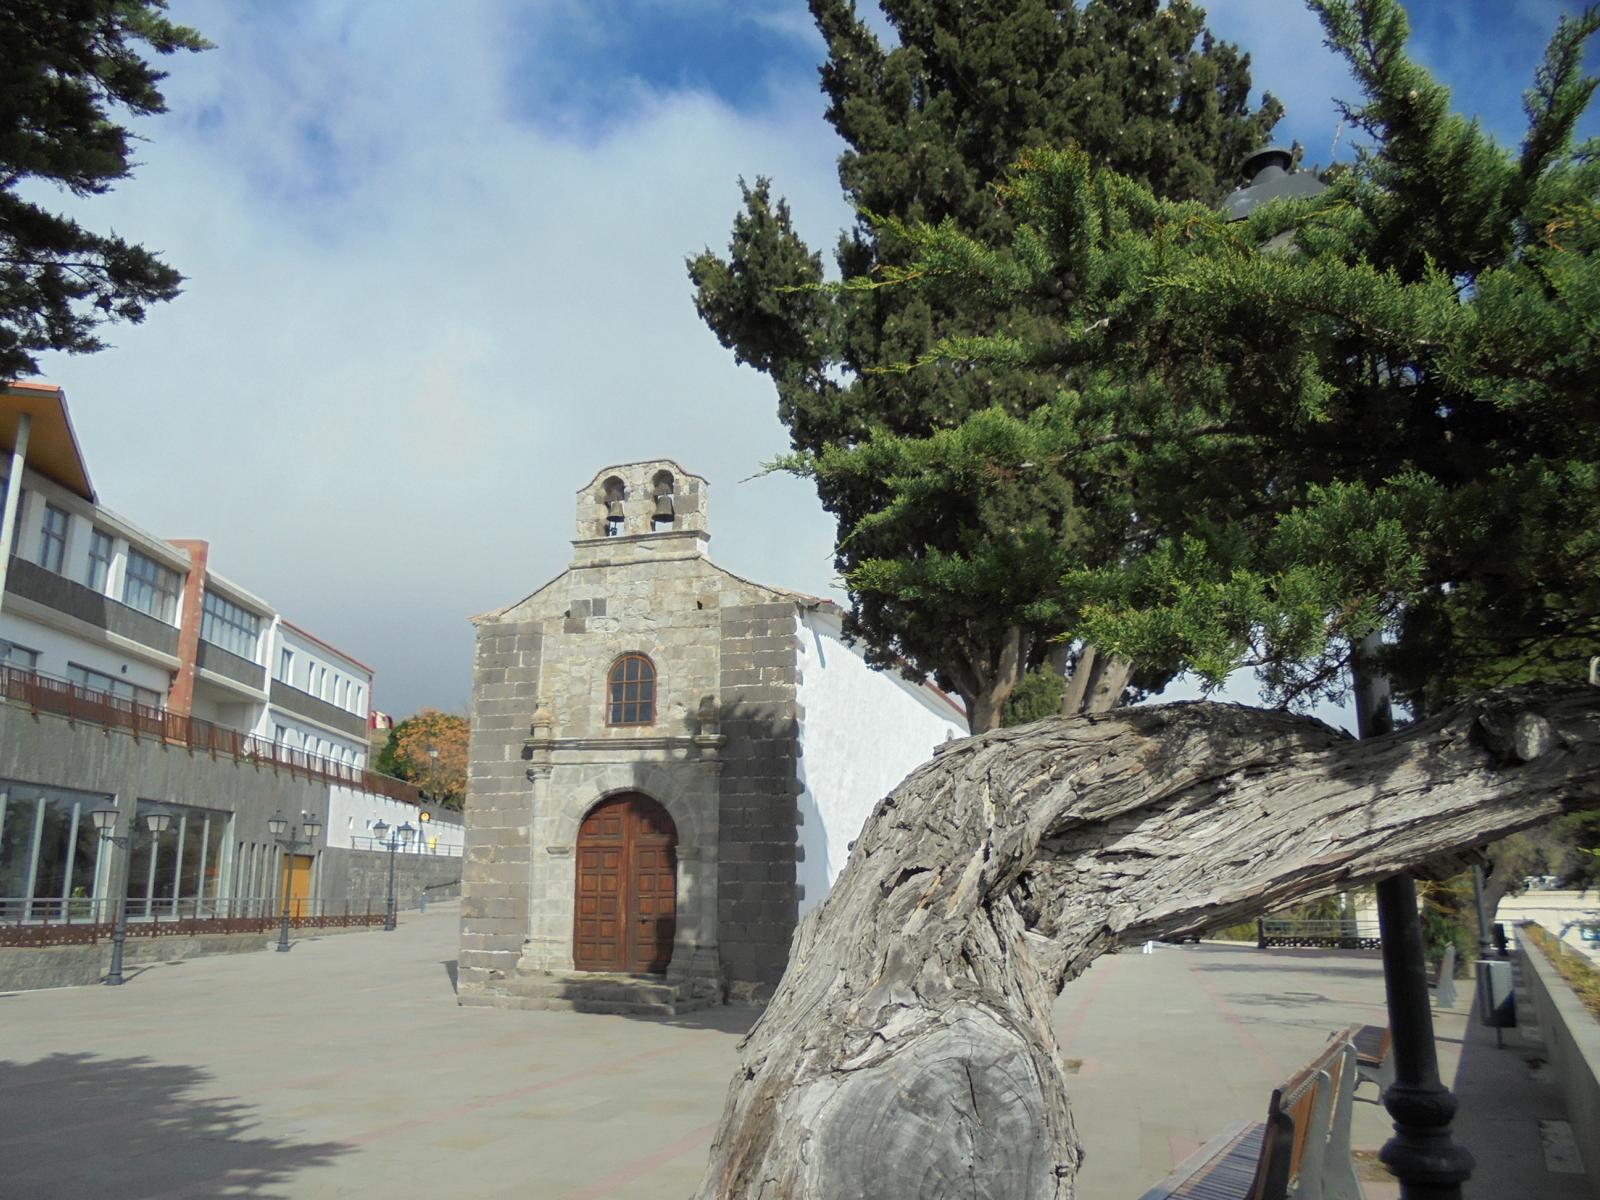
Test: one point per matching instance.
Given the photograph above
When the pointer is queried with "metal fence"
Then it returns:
(1333, 933)
(25, 922)
(47, 693)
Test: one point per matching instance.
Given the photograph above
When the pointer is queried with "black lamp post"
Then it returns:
(279, 827)
(397, 838)
(1422, 1154)
(158, 820)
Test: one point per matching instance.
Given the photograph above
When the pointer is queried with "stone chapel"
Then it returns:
(669, 764)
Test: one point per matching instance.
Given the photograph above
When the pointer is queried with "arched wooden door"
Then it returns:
(627, 907)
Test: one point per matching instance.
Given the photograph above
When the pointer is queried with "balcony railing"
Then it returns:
(56, 922)
(46, 693)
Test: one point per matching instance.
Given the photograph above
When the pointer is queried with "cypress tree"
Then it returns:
(931, 126)
(67, 67)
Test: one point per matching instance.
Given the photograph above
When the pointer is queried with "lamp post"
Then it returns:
(433, 773)
(279, 827)
(158, 820)
(396, 839)
(1422, 1154)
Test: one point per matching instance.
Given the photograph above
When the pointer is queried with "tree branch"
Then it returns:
(909, 1053)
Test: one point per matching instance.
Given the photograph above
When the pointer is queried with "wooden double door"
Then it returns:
(627, 904)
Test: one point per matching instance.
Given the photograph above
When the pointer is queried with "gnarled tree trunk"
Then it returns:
(908, 1053)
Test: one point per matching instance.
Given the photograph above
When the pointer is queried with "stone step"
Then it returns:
(629, 995)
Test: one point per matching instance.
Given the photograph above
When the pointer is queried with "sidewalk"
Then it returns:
(346, 1069)
(1177, 1044)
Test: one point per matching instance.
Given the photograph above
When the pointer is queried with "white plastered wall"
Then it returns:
(862, 732)
(351, 815)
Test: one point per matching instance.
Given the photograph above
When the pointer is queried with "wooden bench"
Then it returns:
(1301, 1151)
(1373, 1063)
(1372, 1041)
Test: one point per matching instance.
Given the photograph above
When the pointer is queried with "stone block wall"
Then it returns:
(496, 867)
(757, 894)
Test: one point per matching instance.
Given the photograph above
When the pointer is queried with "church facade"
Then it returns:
(668, 765)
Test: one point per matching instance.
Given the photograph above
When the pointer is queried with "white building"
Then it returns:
(134, 677)
(94, 600)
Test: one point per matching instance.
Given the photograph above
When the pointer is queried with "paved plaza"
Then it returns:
(346, 1069)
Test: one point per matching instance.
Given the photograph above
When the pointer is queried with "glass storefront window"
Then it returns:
(179, 873)
(49, 852)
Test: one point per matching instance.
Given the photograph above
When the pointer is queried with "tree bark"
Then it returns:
(996, 681)
(1096, 683)
(909, 1053)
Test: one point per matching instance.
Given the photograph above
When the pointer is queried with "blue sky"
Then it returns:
(435, 280)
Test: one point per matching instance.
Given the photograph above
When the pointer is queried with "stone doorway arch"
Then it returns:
(625, 910)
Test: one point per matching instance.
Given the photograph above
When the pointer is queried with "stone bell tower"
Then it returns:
(642, 511)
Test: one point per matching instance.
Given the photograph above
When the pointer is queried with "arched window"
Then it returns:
(631, 691)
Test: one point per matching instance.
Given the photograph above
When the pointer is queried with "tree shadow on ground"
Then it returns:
(76, 1125)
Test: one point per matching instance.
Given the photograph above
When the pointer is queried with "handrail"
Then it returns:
(48, 693)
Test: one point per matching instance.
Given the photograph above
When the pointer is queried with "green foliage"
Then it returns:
(67, 67)
(1449, 918)
(1574, 967)
(931, 126)
(388, 761)
(1037, 695)
(1367, 410)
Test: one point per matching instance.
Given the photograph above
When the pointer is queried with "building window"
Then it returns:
(99, 681)
(53, 539)
(150, 587)
(49, 852)
(280, 735)
(286, 666)
(631, 691)
(223, 623)
(178, 873)
(322, 682)
(100, 549)
(20, 657)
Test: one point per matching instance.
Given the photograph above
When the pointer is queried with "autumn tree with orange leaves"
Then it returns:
(443, 780)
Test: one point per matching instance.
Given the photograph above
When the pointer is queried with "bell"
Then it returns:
(613, 510)
(664, 507)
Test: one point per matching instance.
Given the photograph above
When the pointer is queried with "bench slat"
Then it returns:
(1230, 1176)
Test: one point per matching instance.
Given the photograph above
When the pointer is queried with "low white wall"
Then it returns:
(1571, 1038)
(861, 732)
(352, 814)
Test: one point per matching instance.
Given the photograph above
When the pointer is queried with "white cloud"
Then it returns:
(417, 321)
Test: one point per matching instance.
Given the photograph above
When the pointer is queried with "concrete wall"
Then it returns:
(24, 969)
(1572, 1039)
(862, 731)
(48, 750)
(362, 876)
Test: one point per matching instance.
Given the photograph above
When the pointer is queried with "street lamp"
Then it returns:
(279, 827)
(398, 838)
(1422, 1154)
(158, 820)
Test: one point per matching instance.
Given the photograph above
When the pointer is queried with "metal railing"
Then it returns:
(365, 841)
(47, 693)
(57, 922)
(1332, 933)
